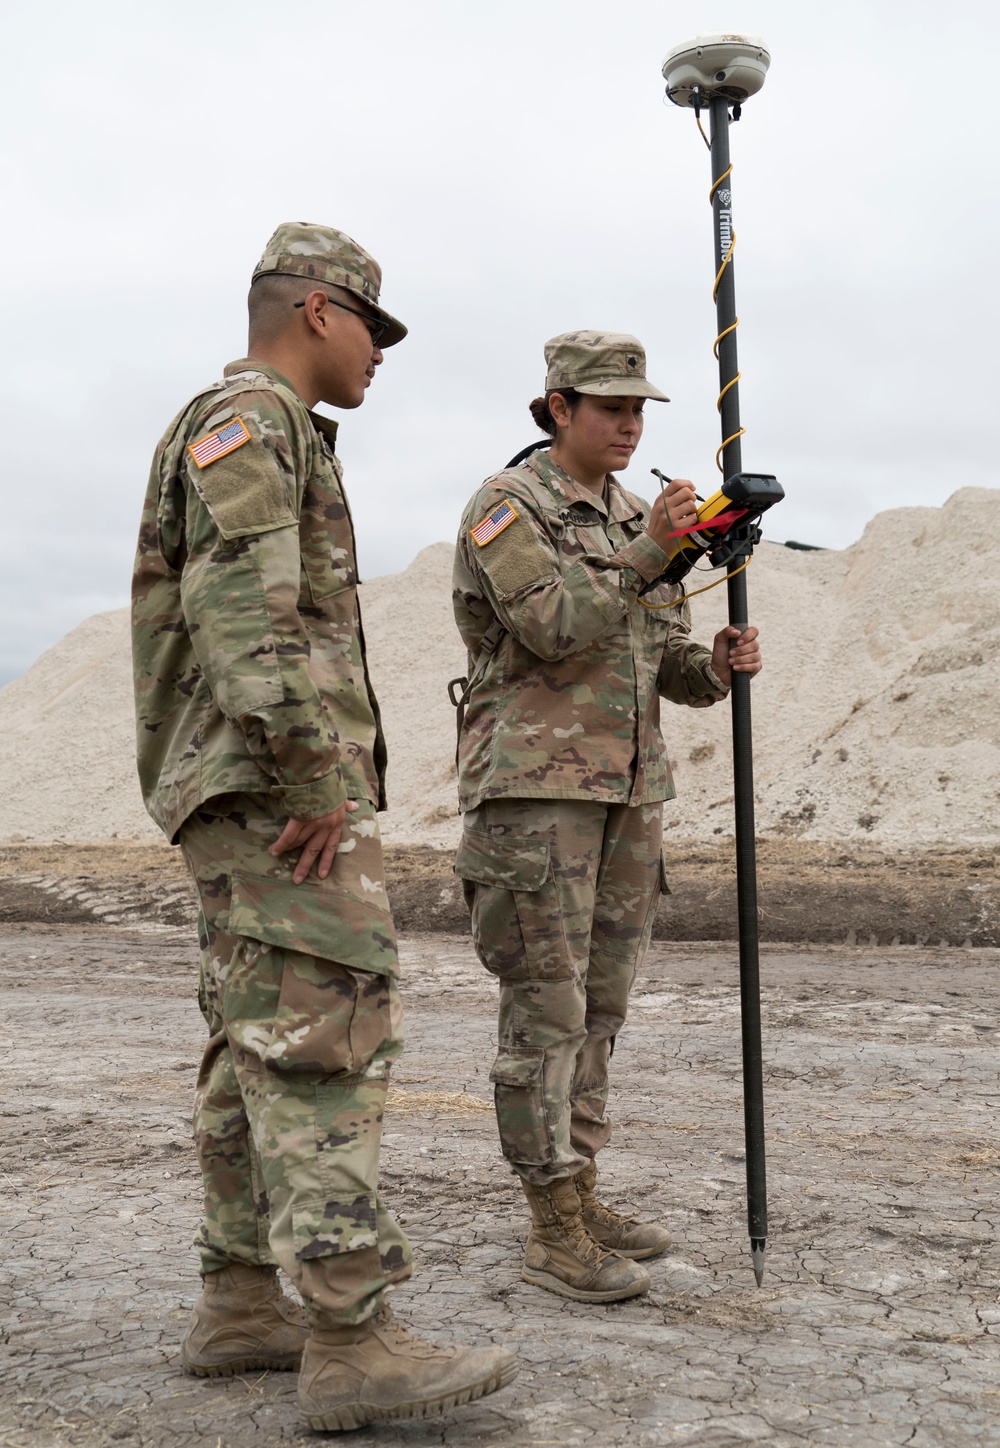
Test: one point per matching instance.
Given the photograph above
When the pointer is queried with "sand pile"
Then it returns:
(67, 769)
(877, 716)
(878, 713)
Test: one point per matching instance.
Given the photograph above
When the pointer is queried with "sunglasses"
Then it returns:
(376, 328)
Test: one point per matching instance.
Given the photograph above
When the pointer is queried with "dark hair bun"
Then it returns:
(539, 409)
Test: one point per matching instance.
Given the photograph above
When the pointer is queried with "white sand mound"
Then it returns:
(877, 716)
(67, 770)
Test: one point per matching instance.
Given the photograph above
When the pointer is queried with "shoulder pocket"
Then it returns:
(502, 861)
(516, 558)
(245, 492)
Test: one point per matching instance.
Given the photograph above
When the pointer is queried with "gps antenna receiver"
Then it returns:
(732, 67)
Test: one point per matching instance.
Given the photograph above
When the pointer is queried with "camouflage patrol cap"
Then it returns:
(299, 249)
(601, 364)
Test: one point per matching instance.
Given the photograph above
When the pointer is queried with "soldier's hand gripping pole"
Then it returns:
(746, 850)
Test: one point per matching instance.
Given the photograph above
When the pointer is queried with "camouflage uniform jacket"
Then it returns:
(248, 652)
(568, 705)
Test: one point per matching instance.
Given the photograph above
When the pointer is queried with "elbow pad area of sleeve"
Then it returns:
(225, 606)
(514, 559)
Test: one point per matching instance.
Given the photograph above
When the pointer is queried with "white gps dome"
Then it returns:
(728, 65)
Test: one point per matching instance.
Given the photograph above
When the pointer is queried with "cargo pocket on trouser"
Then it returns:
(349, 923)
(517, 920)
(298, 995)
(339, 1268)
(518, 1077)
(330, 1019)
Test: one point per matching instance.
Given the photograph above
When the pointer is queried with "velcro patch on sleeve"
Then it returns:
(247, 493)
(494, 523)
(518, 559)
(226, 440)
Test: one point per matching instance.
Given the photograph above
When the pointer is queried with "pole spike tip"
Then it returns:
(758, 1246)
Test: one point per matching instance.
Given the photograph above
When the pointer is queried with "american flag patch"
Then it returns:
(217, 444)
(501, 517)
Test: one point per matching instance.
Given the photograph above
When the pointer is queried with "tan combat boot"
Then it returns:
(378, 1371)
(623, 1235)
(562, 1256)
(243, 1323)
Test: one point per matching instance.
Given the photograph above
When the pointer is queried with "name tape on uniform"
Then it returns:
(501, 517)
(218, 444)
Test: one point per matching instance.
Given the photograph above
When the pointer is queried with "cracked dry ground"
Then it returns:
(878, 1322)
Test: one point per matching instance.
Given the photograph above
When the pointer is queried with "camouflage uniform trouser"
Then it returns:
(298, 989)
(562, 895)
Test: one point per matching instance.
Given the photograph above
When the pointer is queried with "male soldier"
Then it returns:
(261, 752)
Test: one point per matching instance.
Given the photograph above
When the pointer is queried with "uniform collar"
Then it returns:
(325, 426)
(620, 507)
(251, 364)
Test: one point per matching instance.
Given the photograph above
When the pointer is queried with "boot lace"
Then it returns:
(403, 1338)
(607, 1216)
(579, 1239)
(385, 1319)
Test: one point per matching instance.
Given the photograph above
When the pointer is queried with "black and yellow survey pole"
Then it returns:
(746, 838)
(716, 73)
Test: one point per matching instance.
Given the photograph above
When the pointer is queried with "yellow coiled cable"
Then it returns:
(675, 603)
(732, 327)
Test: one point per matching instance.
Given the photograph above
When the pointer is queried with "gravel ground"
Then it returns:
(878, 1319)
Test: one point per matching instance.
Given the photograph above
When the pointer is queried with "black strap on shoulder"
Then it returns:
(527, 451)
(460, 690)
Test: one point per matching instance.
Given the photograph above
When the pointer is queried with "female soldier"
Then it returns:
(562, 777)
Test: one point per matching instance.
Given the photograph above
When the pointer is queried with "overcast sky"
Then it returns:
(515, 169)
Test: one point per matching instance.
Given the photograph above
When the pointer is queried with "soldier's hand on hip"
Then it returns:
(676, 508)
(735, 652)
(318, 839)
